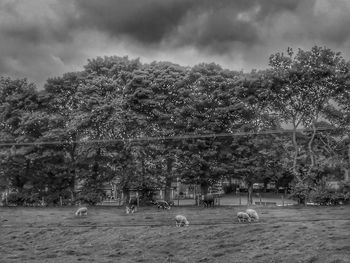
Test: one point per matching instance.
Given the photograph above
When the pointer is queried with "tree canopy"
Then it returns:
(147, 125)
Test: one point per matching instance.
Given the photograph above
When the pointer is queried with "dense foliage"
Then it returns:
(146, 125)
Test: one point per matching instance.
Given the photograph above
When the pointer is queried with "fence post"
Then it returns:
(61, 200)
(260, 198)
(240, 199)
(178, 199)
(282, 200)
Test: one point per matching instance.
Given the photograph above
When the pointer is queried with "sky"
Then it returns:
(40, 39)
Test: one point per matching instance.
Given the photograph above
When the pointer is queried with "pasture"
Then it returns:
(107, 234)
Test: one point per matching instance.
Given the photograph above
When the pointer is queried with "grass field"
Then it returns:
(107, 234)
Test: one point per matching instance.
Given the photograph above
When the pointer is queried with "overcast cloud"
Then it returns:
(46, 38)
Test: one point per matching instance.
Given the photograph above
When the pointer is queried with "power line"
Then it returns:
(160, 138)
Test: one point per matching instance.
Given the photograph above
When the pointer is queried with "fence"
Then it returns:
(263, 199)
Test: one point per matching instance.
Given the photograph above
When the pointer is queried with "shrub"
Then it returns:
(325, 196)
(31, 199)
(22, 198)
(54, 198)
(15, 199)
(345, 187)
(300, 191)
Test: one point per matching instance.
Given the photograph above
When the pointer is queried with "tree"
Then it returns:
(18, 102)
(338, 113)
(210, 106)
(256, 157)
(60, 101)
(107, 114)
(302, 87)
(152, 97)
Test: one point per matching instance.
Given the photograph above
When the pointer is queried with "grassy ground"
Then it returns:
(107, 234)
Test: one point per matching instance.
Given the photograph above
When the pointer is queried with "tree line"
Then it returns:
(144, 125)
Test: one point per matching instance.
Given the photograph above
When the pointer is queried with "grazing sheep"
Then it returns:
(243, 217)
(132, 205)
(252, 214)
(181, 221)
(81, 211)
(208, 200)
(162, 204)
(130, 209)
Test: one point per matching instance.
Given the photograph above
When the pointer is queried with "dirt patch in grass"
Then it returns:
(214, 235)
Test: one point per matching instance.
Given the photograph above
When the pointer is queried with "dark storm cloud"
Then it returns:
(146, 21)
(217, 27)
(45, 38)
(208, 22)
(32, 34)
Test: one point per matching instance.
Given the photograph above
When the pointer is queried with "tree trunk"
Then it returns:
(296, 151)
(250, 193)
(168, 180)
(95, 172)
(265, 187)
(312, 155)
(74, 180)
(126, 194)
(73, 185)
(204, 188)
(143, 170)
(347, 169)
(26, 176)
(19, 183)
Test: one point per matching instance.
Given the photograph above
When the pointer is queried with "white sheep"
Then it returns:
(252, 214)
(162, 204)
(243, 217)
(181, 221)
(81, 211)
(130, 209)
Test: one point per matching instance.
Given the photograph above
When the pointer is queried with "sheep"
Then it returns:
(243, 217)
(252, 214)
(81, 211)
(162, 204)
(208, 200)
(130, 209)
(181, 221)
(131, 206)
